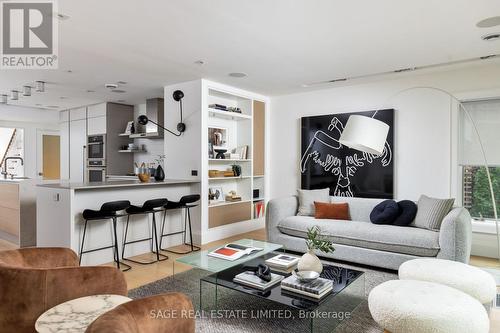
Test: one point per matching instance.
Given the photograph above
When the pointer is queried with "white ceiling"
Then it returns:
(280, 44)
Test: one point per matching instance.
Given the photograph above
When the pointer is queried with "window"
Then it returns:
(475, 187)
(12, 147)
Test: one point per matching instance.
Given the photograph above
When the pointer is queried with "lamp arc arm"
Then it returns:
(166, 129)
(476, 131)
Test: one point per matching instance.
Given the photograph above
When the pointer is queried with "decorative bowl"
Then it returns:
(305, 276)
(144, 177)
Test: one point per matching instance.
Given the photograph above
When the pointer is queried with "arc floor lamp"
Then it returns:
(369, 135)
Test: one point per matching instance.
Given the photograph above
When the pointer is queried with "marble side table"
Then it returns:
(76, 315)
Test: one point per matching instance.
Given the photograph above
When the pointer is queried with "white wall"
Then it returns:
(425, 133)
(31, 121)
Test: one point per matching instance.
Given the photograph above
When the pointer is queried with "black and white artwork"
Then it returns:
(347, 172)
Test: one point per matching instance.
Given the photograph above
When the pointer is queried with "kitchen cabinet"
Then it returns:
(77, 141)
(64, 148)
(98, 110)
(96, 125)
(78, 114)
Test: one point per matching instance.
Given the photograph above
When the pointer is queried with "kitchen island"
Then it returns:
(60, 221)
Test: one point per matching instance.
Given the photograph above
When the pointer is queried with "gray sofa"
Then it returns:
(360, 241)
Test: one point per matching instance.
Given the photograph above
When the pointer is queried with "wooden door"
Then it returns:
(51, 157)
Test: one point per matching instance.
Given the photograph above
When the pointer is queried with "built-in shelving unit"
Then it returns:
(188, 155)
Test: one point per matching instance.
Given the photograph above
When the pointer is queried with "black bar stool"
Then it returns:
(108, 211)
(149, 207)
(186, 202)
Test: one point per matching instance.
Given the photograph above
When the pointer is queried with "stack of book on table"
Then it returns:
(249, 279)
(282, 263)
(315, 290)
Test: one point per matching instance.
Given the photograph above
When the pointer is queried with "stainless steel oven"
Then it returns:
(96, 147)
(96, 170)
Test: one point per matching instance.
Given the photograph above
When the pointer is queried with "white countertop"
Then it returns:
(117, 183)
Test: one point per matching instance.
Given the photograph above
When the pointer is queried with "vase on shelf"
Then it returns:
(310, 262)
(159, 174)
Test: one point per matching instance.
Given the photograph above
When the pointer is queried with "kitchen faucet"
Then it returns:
(4, 172)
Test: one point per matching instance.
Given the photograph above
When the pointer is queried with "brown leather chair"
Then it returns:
(167, 313)
(33, 280)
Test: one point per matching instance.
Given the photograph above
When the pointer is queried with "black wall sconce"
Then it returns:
(178, 95)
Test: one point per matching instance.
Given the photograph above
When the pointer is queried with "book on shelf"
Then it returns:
(233, 251)
(315, 289)
(249, 279)
(259, 209)
(218, 107)
(282, 262)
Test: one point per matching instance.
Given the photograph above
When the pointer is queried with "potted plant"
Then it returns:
(314, 241)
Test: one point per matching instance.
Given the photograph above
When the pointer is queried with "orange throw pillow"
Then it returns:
(335, 211)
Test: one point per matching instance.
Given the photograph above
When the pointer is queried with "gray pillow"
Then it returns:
(431, 212)
(307, 198)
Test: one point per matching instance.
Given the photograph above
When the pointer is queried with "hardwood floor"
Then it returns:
(142, 274)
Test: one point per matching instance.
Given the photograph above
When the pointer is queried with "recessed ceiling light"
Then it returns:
(62, 17)
(118, 91)
(489, 22)
(491, 37)
(63, 97)
(111, 85)
(38, 104)
(69, 71)
(237, 74)
(122, 82)
(199, 62)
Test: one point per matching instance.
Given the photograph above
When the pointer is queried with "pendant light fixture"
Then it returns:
(39, 86)
(27, 91)
(14, 95)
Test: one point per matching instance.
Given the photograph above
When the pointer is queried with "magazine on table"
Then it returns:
(282, 262)
(249, 279)
(233, 251)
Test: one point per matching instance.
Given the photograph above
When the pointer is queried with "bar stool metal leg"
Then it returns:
(187, 220)
(153, 243)
(193, 247)
(127, 267)
(83, 242)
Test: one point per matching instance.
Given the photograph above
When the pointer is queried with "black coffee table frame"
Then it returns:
(321, 316)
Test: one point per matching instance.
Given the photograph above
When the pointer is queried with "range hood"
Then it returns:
(154, 112)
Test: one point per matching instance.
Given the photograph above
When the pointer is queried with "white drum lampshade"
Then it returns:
(365, 134)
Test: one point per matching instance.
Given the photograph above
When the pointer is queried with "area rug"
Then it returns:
(360, 320)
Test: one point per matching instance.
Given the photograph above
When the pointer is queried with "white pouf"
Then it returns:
(469, 279)
(407, 306)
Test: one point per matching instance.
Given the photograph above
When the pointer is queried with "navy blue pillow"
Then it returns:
(408, 212)
(385, 212)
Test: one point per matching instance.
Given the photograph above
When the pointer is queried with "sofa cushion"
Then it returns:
(413, 241)
(307, 199)
(359, 208)
(408, 211)
(326, 210)
(431, 212)
(385, 212)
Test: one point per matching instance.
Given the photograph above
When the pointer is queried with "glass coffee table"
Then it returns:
(217, 290)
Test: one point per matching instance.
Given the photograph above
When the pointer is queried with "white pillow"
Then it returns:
(307, 199)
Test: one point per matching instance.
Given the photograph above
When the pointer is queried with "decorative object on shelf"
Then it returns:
(256, 193)
(310, 261)
(144, 177)
(220, 153)
(356, 139)
(217, 138)
(259, 209)
(178, 95)
(159, 172)
(128, 129)
(234, 109)
(229, 173)
(236, 170)
(210, 150)
(132, 128)
(215, 194)
(242, 152)
(322, 148)
(233, 197)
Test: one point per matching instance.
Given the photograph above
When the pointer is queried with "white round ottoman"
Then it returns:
(469, 279)
(407, 306)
